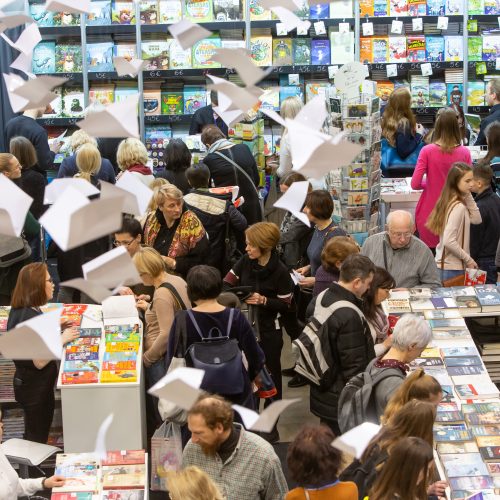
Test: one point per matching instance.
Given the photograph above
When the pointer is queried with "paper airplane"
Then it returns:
(100, 441)
(241, 98)
(23, 62)
(9, 21)
(274, 116)
(293, 200)
(37, 338)
(94, 290)
(355, 441)
(313, 114)
(228, 117)
(80, 7)
(181, 387)
(56, 188)
(125, 66)
(117, 120)
(187, 34)
(14, 206)
(120, 306)
(290, 20)
(5, 3)
(240, 60)
(74, 220)
(27, 40)
(267, 419)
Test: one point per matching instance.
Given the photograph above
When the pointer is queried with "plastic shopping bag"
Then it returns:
(166, 454)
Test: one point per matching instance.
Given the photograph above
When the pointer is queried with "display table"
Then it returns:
(397, 194)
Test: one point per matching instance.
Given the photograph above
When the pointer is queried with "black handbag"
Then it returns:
(220, 357)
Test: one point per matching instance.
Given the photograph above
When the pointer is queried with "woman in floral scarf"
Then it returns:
(175, 232)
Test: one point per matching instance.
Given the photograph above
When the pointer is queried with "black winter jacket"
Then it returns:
(484, 237)
(294, 240)
(494, 116)
(352, 347)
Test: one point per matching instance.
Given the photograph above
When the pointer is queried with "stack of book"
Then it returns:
(82, 474)
(121, 351)
(124, 470)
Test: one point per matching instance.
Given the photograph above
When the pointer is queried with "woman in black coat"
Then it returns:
(177, 160)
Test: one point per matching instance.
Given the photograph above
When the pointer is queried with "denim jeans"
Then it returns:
(488, 265)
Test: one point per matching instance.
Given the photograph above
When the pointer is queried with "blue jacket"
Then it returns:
(68, 168)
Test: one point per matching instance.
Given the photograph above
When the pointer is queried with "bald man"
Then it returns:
(397, 250)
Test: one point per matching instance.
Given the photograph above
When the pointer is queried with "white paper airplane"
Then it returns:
(27, 40)
(56, 188)
(293, 200)
(9, 21)
(240, 60)
(125, 66)
(355, 441)
(187, 34)
(14, 206)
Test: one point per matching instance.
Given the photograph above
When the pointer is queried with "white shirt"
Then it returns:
(12, 486)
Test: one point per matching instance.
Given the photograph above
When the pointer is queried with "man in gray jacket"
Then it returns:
(402, 254)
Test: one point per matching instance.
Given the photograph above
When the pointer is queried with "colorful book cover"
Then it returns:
(271, 97)
(398, 8)
(491, 7)
(320, 52)
(202, 52)
(491, 47)
(384, 90)
(485, 430)
(397, 49)
(453, 7)
(125, 457)
(122, 346)
(172, 103)
(179, 58)
(416, 48)
(100, 13)
(475, 48)
(170, 11)
(437, 94)
(198, 11)
(80, 377)
(459, 464)
(454, 93)
(341, 47)
(436, 7)
(475, 95)
(453, 48)
(319, 11)
(366, 50)
(73, 102)
(291, 91)
(227, 10)
(129, 334)
(459, 351)
(301, 51)
(313, 89)
(103, 94)
(41, 16)
(457, 432)
(282, 52)
(66, 19)
(380, 49)
(366, 8)
(100, 57)
(44, 58)
(417, 8)
(471, 483)
(149, 11)
(123, 495)
(458, 371)
(81, 495)
(152, 101)
(156, 54)
(434, 48)
(475, 7)
(81, 472)
(110, 377)
(125, 50)
(261, 48)
(113, 366)
(303, 10)
(257, 12)
(195, 97)
(123, 12)
(123, 476)
(68, 58)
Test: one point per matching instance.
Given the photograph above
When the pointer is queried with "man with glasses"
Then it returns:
(408, 259)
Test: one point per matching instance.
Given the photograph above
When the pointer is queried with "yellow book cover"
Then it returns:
(118, 376)
(122, 346)
(262, 50)
(366, 8)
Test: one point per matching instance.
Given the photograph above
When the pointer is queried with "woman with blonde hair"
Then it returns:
(175, 232)
(192, 483)
(290, 108)
(132, 156)
(434, 163)
(69, 168)
(451, 218)
(88, 161)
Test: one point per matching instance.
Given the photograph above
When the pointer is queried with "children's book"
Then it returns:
(80, 377)
(475, 97)
(202, 52)
(123, 12)
(491, 47)
(436, 7)
(125, 457)
(124, 92)
(491, 7)
(475, 7)
(319, 11)
(380, 49)
(44, 58)
(341, 47)
(301, 48)
(261, 48)
(341, 9)
(227, 10)
(73, 102)
(464, 464)
(384, 90)
(68, 58)
(434, 48)
(156, 54)
(415, 46)
(118, 376)
(103, 94)
(179, 58)
(398, 8)
(471, 483)
(100, 13)
(198, 11)
(366, 8)
(152, 106)
(100, 57)
(437, 96)
(257, 12)
(81, 472)
(66, 19)
(123, 476)
(453, 48)
(125, 50)
(366, 50)
(453, 7)
(381, 8)
(282, 52)
(149, 11)
(78, 495)
(41, 16)
(123, 495)
(195, 97)
(485, 430)
(320, 52)
(454, 94)
(172, 103)
(170, 11)
(397, 49)
(417, 8)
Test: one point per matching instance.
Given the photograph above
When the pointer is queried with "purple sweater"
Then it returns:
(323, 280)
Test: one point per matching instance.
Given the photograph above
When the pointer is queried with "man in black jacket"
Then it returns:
(207, 116)
(349, 335)
(492, 99)
(25, 125)
(484, 237)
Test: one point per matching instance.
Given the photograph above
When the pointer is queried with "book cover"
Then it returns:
(417, 8)
(415, 46)
(491, 7)
(454, 371)
(449, 417)
(41, 16)
(100, 57)
(156, 54)
(380, 49)
(227, 10)
(483, 418)
(291, 91)
(44, 58)
(124, 457)
(434, 48)
(68, 58)
(421, 304)
(261, 48)
(471, 483)
(464, 464)
(341, 47)
(489, 298)
(398, 305)
(125, 50)
(366, 50)
(436, 7)
(398, 8)
(90, 332)
(475, 7)
(149, 11)
(493, 468)
(476, 391)
(257, 12)
(179, 58)
(282, 51)
(195, 97)
(453, 48)
(437, 94)
(172, 103)
(490, 452)
(454, 94)
(84, 366)
(453, 7)
(443, 303)
(103, 94)
(464, 447)
(170, 11)
(491, 47)
(82, 495)
(447, 324)
(73, 102)
(397, 49)
(462, 361)
(301, 48)
(202, 52)
(320, 52)
(420, 98)
(384, 90)
(319, 11)
(123, 12)
(118, 363)
(314, 89)
(456, 432)
(198, 11)
(80, 377)
(485, 430)
(123, 495)
(429, 362)
(468, 302)
(65, 19)
(152, 107)
(100, 13)
(118, 376)
(475, 93)
(381, 8)
(123, 476)
(366, 8)
(341, 9)
(80, 472)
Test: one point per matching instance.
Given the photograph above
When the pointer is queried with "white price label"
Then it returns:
(392, 70)
(344, 27)
(281, 29)
(293, 79)
(397, 27)
(417, 24)
(367, 29)
(442, 23)
(331, 71)
(319, 28)
(302, 30)
(426, 69)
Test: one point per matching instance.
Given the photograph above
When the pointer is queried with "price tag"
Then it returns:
(319, 28)
(344, 27)
(302, 29)
(281, 29)
(426, 69)
(293, 79)
(481, 68)
(442, 23)
(392, 70)
(417, 24)
(367, 29)
(472, 25)
(366, 70)
(397, 27)
(331, 71)
(349, 77)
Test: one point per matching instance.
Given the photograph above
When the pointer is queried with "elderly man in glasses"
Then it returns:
(402, 254)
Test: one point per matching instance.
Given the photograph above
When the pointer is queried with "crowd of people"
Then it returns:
(207, 265)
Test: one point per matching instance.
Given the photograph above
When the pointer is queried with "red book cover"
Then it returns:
(124, 457)
(72, 378)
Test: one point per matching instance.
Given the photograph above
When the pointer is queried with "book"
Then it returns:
(468, 303)
(195, 97)
(443, 314)
(81, 495)
(447, 324)
(202, 52)
(366, 8)
(417, 8)
(341, 9)
(398, 305)
(434, 48)
(156, 54)
(448, 432)
(73, 102)
(450, 417)
(454, 93)
(475, 387)
(123, 476)
(490, 452)
(40, 15)
(198, 11)
(482, 418)
(320, 51)
(459, 351)
(475, 48)
(319, 11)
(453, 48)
(397, 49)
(122, 12)
(301, 51)
(489, 298)
(398, 8)
(341, 47)
(149, 11)
(471, 483)
(79, 377)
(152, 106)
(366, 50)
(464, 464)
(475, 7)
(90, 332)
(380, 49)
(282, 52)
(453, 447)
(421, 304)
(80, 471)
(170, 11)
(44, 58)
(116, 376)
(436, 7)
(453, 7)
(437, 94)
(485, 430)
(227, 10)
(103, 94)
(427, 362)
(491, 7)
(100, 57)
(123, 495)
(257, 12)
(179, 58)
(65, 19)
(172, 103)
(455, 371)
(68, 58)
(261, 48)
(124, 457)
(493, 468)
(100, 13)
(381, 8)
(415, 46)
(462, 361)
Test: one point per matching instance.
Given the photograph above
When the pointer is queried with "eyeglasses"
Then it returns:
(401, 235)
(50, 280)
(122, 243)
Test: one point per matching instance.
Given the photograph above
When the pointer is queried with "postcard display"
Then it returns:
(355, 188)
(101, 374)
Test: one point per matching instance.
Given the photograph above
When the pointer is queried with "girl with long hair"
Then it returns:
(379, 290)
(451, 218)
(88, 161)
(434, 162)
(406, 472)
(192, 483)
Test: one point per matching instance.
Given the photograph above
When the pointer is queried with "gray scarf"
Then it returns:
(220, 144)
